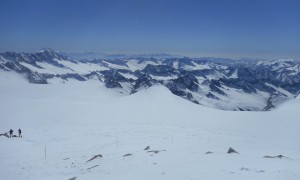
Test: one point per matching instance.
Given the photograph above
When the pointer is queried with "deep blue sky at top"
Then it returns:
(228, 28)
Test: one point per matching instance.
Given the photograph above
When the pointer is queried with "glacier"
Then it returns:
(65, 125)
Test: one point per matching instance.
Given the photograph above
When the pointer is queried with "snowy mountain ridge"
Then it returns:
(214, 82)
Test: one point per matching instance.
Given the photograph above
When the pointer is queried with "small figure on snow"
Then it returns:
(10, 132)
(20, 132)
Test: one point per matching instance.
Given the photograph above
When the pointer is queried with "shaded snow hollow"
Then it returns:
(73, 123)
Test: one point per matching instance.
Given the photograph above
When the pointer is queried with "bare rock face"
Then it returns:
(94, 157)
(279, 156)
(231, 150)
(127, 155)
(208, 152)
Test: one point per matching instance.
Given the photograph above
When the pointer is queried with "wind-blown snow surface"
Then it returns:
(73, 123)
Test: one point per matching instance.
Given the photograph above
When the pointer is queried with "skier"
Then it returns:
(10, 132)
(20, 132)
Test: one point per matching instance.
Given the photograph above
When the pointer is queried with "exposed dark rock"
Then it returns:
(231, 150)
(114, 74)
(244, 169)
(72, 76)
(144, 81)
(155, 151)
(210, 95)
(94, 157)
(36, 78)
(279, 156)
(92, 167)
(269, 105)
(213, 87)
(110, 82)
(158, 70)
(127, 155)
(187, 81)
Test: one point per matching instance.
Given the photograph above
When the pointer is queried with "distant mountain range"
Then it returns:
(84, 56)
(226, 84)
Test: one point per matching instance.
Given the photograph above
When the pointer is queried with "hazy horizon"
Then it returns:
(231, 29)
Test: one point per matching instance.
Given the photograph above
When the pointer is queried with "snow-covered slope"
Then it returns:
(65, 125)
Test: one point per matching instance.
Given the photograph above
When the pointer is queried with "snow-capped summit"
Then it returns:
(48, 50)
(49, 54)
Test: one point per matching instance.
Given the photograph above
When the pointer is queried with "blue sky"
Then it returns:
(220, 28)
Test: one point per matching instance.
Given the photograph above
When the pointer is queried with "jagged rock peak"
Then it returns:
(49, 53)
(49, 50)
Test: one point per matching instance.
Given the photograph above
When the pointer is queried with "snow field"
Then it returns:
(77, 120)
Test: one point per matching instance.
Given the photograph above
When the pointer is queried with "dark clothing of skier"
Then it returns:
(10, 132)
(20, 133)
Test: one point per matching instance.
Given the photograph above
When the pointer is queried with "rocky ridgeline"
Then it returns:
(214, 82)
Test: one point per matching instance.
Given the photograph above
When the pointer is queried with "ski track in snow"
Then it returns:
(65, 125)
